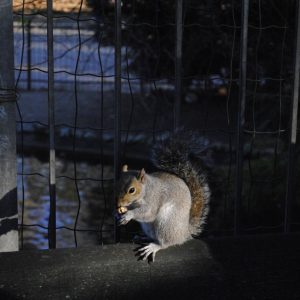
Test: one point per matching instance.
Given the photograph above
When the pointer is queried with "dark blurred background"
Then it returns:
(209, 76)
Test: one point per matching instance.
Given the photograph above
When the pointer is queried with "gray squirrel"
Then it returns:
(172, 204)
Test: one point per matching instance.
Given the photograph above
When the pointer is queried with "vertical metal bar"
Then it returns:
(117, 100)
(293, 129)
(51, 123)
(178, 63)
(29, 55)
(241, 115)
(8, 185)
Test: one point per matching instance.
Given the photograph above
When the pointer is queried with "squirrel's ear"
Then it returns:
(141, 176)
(125, 168)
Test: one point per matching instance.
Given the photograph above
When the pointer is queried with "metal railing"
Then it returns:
(143, 101)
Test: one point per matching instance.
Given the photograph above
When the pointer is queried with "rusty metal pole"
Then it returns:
(178, 63)
(241, 116)
(117, 99)
(291, 182)
(51, 122)
(8, 165)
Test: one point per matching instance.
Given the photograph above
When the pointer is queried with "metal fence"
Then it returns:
(97, 89)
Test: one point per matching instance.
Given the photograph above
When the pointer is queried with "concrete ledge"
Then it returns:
(261, 267)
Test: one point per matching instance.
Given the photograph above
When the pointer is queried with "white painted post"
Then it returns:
(8, 182)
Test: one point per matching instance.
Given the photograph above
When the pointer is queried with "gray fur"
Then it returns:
(163, 210)
(164, 204)
(173, 156)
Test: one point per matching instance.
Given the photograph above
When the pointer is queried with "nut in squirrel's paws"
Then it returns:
(122, 210)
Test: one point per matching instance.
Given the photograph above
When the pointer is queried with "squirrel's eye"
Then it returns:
(131, 190)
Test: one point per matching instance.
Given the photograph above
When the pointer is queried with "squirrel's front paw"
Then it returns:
(125, 218)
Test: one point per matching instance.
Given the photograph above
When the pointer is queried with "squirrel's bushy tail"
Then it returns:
(173, 155)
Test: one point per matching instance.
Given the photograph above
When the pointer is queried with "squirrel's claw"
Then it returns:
(122, 221)
(146, 251)
(124, 218)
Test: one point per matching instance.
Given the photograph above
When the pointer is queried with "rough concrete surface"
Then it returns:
(260, 267)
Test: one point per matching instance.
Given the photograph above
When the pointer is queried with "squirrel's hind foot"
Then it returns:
(147, 251)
